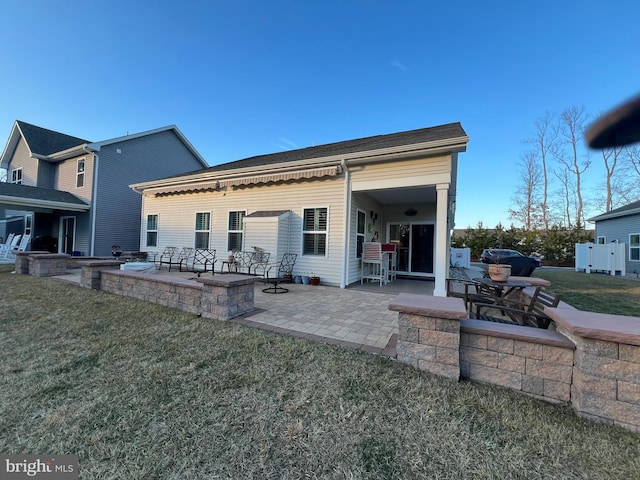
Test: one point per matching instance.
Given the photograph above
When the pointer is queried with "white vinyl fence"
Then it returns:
(461, 257)
(609, 258)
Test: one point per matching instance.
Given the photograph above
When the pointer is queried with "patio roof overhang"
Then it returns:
(24, 197)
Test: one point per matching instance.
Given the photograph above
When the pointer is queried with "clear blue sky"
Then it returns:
(242, 78)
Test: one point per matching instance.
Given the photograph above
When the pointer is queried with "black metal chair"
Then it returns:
(275, 273)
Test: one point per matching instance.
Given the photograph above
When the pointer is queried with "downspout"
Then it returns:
(347, 217)
(94, 190)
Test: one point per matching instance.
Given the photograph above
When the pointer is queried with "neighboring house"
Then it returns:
(621, 225)
(72, 195)
(320, 202)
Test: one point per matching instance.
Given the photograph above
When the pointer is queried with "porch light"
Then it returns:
(410, 212)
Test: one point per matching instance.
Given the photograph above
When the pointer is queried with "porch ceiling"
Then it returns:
(400, 196)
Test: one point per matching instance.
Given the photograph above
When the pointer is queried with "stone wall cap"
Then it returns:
(532, 280)
(154, 277)
(600, 326)
(229, 280)
(31, 252)
(517, 332)
(439, 307)
(50, 255)
(98, 263)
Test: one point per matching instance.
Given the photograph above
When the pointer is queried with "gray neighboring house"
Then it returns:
(72, 195)
(621, 225)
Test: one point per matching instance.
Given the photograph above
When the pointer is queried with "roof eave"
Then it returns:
(450, 145)
(609, 216)
(27, 202)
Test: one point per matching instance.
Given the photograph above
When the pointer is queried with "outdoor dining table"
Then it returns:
(500, 290)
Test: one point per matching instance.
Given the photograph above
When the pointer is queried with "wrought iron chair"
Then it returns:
(275, 273)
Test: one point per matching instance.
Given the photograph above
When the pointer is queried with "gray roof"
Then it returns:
(632, 208)
(39, 194)
(42, 141)
(267, 213)
(423, 135)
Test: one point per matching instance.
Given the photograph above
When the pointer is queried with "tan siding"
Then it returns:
(426, 171)
(66, 177)
(22, 159)
(176, 218)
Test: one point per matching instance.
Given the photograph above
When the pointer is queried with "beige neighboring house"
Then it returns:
(320, 202)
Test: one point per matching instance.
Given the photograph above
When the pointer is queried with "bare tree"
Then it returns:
(529, 210)
(545, 139)
(564, 176)
(571, 130)
(610, 157)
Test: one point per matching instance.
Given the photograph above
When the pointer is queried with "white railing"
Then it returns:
(609, 258)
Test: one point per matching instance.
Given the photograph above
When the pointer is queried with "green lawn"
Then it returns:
(140, 391)
(594, 292)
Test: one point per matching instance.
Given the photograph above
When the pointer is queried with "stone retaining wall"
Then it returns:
(591, 361)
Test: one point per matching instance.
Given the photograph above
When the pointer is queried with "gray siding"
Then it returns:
(139, 160)
(619, 229)
(46, 174)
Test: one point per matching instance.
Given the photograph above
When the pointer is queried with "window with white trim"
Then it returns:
(16, 175)
(234, 231)
(601, 240)
(152, 230)
(360, 232)
(314, 231)
(80, 173)
(203, 228)
(634, 246)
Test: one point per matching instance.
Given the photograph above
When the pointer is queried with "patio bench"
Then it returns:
(178, 260)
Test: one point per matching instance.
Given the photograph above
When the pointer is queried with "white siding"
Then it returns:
(176, 214)
(425, 171)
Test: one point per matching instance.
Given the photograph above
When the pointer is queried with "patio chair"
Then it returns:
(373, 264)
(168, 252)
(180, 260)
(275, 273)
(204, 260)
(470, 292)
(21, 247)
(4, 246)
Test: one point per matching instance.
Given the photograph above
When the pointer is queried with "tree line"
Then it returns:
(549, 190)
(556, 245)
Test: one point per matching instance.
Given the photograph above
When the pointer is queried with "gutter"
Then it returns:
(347, 216)
(94, 191)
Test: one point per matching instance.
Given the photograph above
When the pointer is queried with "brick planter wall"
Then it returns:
(227, 296)
(22, 260)
(591, 361)
(160, 289)
(90, 271)
(48, 264)
(534, 361)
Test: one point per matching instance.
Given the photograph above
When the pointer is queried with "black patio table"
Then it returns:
(501, 290)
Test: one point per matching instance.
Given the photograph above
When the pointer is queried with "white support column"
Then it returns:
(442, 230)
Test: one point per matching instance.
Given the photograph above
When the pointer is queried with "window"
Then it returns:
(28, 223)
(314, 231)
(601, 240)
(152, 230)
(634, 246)
(203, 224)
(80, 174)
(234, 242)
(16, 175)
(360, 232)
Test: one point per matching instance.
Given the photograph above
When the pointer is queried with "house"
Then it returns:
(321, 202)
(621, 225)
(72, 195)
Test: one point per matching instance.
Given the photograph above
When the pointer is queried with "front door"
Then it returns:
(67, 234)
(414, 247)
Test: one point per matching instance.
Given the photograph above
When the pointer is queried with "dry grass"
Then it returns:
(140, 391)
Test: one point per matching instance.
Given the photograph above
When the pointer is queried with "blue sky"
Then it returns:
(242, 78)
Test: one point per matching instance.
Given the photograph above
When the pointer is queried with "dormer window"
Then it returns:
(80, 174)
(16, 175)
